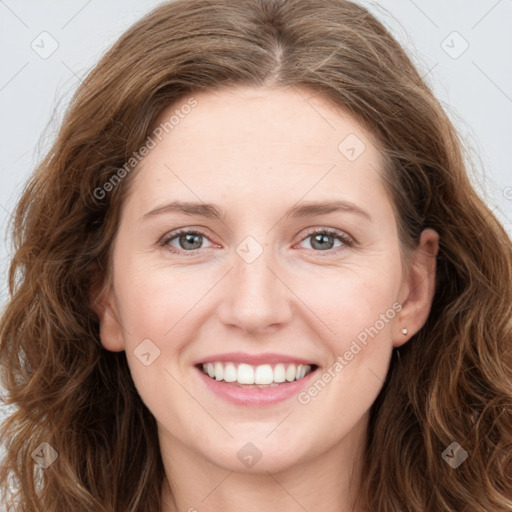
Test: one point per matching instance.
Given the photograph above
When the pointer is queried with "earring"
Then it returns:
(404, 332)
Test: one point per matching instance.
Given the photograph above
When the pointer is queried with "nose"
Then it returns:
(255, 296)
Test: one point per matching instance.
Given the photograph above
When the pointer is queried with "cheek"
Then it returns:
(156, 309)
(156, 301)
(360, 350)
(351, 300)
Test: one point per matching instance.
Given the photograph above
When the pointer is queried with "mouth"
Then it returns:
(255, 376)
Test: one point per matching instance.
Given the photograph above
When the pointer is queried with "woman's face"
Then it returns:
(282, 283)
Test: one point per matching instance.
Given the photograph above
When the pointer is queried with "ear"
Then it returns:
(111, 332)
(417, 291)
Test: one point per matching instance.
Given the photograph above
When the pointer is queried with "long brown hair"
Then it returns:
(453, 382)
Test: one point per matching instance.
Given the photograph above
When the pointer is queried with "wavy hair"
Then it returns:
(453, 381)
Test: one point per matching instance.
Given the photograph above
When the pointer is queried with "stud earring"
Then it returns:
(404, 332)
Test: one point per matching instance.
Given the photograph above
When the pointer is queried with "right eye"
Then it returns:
(188, 240)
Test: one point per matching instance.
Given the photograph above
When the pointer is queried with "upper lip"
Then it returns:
(254, 359)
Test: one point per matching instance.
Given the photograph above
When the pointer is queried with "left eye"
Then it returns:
(323, 239)
(190, 241)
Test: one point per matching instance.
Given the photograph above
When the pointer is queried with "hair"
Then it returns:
(453, 381)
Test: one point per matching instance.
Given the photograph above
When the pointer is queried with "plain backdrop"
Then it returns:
(462, 47)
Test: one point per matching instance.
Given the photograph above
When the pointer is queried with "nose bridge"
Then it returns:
(257, 298)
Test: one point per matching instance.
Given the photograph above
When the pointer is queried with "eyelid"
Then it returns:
(330, 231)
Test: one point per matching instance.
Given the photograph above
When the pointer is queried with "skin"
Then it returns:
(255, 152)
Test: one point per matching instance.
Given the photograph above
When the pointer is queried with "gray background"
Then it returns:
(474, 84)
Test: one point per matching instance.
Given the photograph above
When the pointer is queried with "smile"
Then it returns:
(264, 375)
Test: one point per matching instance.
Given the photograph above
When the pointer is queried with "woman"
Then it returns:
(332, 223)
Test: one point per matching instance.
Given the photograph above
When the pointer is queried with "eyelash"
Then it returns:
(345, 239)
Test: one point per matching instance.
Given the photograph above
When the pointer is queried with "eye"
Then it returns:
(322, 240)
(187, 240)
(190, 241)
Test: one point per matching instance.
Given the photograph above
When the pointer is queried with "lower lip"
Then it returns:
(255, 396)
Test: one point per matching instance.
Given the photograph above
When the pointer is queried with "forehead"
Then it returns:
(286, 117)
(263, 144)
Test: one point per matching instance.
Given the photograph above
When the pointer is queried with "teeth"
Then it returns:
(291, 372)
(263, 375)
(230, 372)
(245, 374)
(219, 371)
(279, 373)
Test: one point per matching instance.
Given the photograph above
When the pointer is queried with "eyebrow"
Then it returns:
(301, 210)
